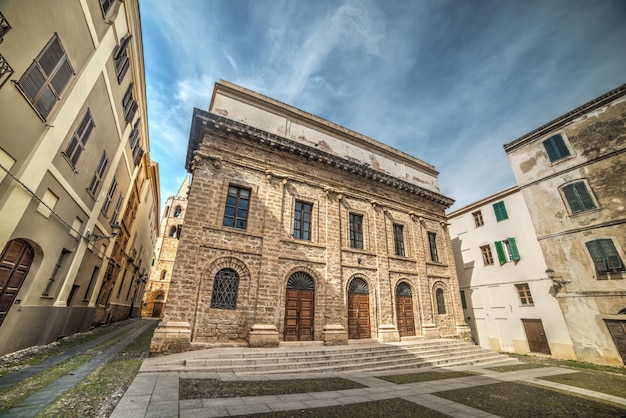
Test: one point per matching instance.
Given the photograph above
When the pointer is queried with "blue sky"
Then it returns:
(449, 82)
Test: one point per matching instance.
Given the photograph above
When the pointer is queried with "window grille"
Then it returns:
(225, 287)
(441, 304)
(5, 70)
(4, 26)
(403, 289)
(358, 285)
(300, 281)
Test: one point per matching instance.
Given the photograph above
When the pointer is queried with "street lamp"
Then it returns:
(557, 280)
(115, 229)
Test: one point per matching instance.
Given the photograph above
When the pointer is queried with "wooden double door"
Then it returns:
(406, 319)
(299, 315)
(536, 336)
(15, 263)
(358, 316)
(617, 328)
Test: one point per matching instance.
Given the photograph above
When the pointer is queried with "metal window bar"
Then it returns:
(225, 287)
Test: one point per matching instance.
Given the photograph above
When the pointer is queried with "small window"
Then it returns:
(79, 139)
(105, 5)
(173, 231)
(524, 294)
(109, 197)
(398, 239)
(432, 243)
(237, 205)
(556, 148)
(92, 280)
(302, 220)
(98, 175)
(485, 250)
(578, 197)
(500, 211)
(118, 208)
(129, 104)
(177, 212)
(120, 58)
(441, 303)
(463, 301)
(605, 256)
(46, 78)
(225, 289)
(163, 274)
(478, 218)
(507, 250)
(356, 231)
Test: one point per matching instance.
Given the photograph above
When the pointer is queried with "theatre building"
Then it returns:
(298, 229)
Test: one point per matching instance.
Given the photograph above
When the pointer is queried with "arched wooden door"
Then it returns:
(14, 265)
(404, 309)
(299, 307)
(157, 308)
(358, 310)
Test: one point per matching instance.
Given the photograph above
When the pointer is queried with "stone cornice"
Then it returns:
(207, 121)
(565, 119)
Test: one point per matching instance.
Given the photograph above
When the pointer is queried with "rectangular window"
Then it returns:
(48, 201)
(605, 256)
(118, 208)
(356, 231)
(524, 294)
(129, 104)
(500, 211)
(46, 78)
(120, 58)
(487, 256)
(109, 197)
(556, 148)
(302, 220)
(94, 275)
(463, 301)
(578, 197)
(398, 239)
(432, 243)
(79, 139)
(507, 250)
(237, 205)
(105, 5)
(98, 175)
(478, 219)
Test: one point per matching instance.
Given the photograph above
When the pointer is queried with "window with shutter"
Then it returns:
(79, 139)
(556, 148)
(105, 5)
(129, 104)
(500, 211)
(500, 252)
(98, 175)
(578, 197)
(120, 58)
(605, 256)
(512, 247)
(46, 78)
(109, 197)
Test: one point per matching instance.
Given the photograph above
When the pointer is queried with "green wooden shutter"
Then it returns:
(612, 257)
(560, 146)
(550, 149)
(572, 198)
(500, 210)
(584, 196)
(501, 252)
(597, 255)
(513, 247)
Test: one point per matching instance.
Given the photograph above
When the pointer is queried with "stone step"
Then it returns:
(368, 356)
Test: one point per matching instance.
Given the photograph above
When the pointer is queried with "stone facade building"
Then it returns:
(298, 229)
(74, 168)
(172, 221)
(506, 295)
(572, 174)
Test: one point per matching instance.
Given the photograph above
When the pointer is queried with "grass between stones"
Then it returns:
(516, 367)
(573, 364)
(401, 379)
(27, 387)
(388, 408)
(215, 388)
(512, 400)
(100, 392)
(599, 382)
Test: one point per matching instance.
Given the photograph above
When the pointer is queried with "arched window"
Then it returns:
(300, 281)
(167, 211)
(622, 312)
(358, 285)
(225, 289)
(441, 304)
(403, 289)
(159, 298)
(177, 212)
(173, 232)
(163, 274)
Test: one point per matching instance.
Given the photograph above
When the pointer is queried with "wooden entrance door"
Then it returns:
(358, 310)
(157, 308)
(536, 336)
(299, 307)
(404, 309)
(617, 328)
(299, 315)
(14, 265)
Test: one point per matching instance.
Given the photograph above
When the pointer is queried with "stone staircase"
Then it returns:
(363, 357)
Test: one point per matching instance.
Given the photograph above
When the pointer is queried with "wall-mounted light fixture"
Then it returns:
(115, 229)
(557, 280)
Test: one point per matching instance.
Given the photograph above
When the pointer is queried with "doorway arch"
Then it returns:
(358, 310)
(299, 307)
(404, 310)
(15, 262)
